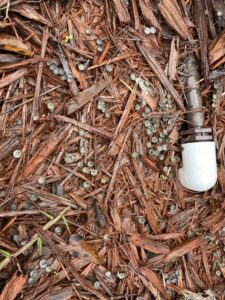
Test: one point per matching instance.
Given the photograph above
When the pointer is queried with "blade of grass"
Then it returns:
(33, 240)
(66, 224)
(47, 215)
(39, 245)
(5, 253)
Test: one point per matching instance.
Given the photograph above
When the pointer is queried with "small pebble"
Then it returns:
(147, 30)
(105, 237)
(172, 207)
(88, 31)
(58, 230)
(159, 148)
(135, 155)
(165, 169)
(69, 79)
(133, 77)
(149, 145)
(41, 180)
(56, 71)
(154, 139)
(104, 179)
(90, 164)
(108, 274)
(149, 131)
(108, 68)
(16, 238)
(152, 30)
(81, 67)
(218, 273)
(219, 13)
(33, 273)
(103, 110)
(94, 172)
(120, 275)
(156, 153)
(82, 132)
(137, 107)
(63, 77)
(100, 49)
(61, 71)
(50, 106)
(86, 170)
(83, 150)
(80, 164)
(151, 152)
(86, 184)
(52, 67)
(164, 147)
(161, 157)
(17, 153)
(43, 263)
(96, 284)
(31, 280)
(69, 158)
(99, 42)
(141, 220)
(108, 114)
(147, 110)
(48, 269)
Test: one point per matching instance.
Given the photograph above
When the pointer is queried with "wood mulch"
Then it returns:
(91, 207)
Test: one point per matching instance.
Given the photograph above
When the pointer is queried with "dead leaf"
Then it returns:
(172, 14)
(122, 11)
(30, 13)
(11, 43)
(116, 218)
(217, 48)
(12, 77)
(154, 279)
(13, 287)
(149, 244)
(84, 97)
(150, 100)
(172, 65)
(83, 250)
(183, 249)
(147, 12)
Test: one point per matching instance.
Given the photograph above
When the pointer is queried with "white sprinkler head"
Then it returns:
(199, 171)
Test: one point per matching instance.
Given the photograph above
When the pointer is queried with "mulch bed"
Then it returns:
(92, 97)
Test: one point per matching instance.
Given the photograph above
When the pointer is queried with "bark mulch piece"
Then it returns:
(92, 97)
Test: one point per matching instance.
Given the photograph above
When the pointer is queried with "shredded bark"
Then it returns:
(92, 105)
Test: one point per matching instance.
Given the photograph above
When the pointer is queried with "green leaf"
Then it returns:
(4, 253)
(66, 223)
(47, 215)
(39, 245)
